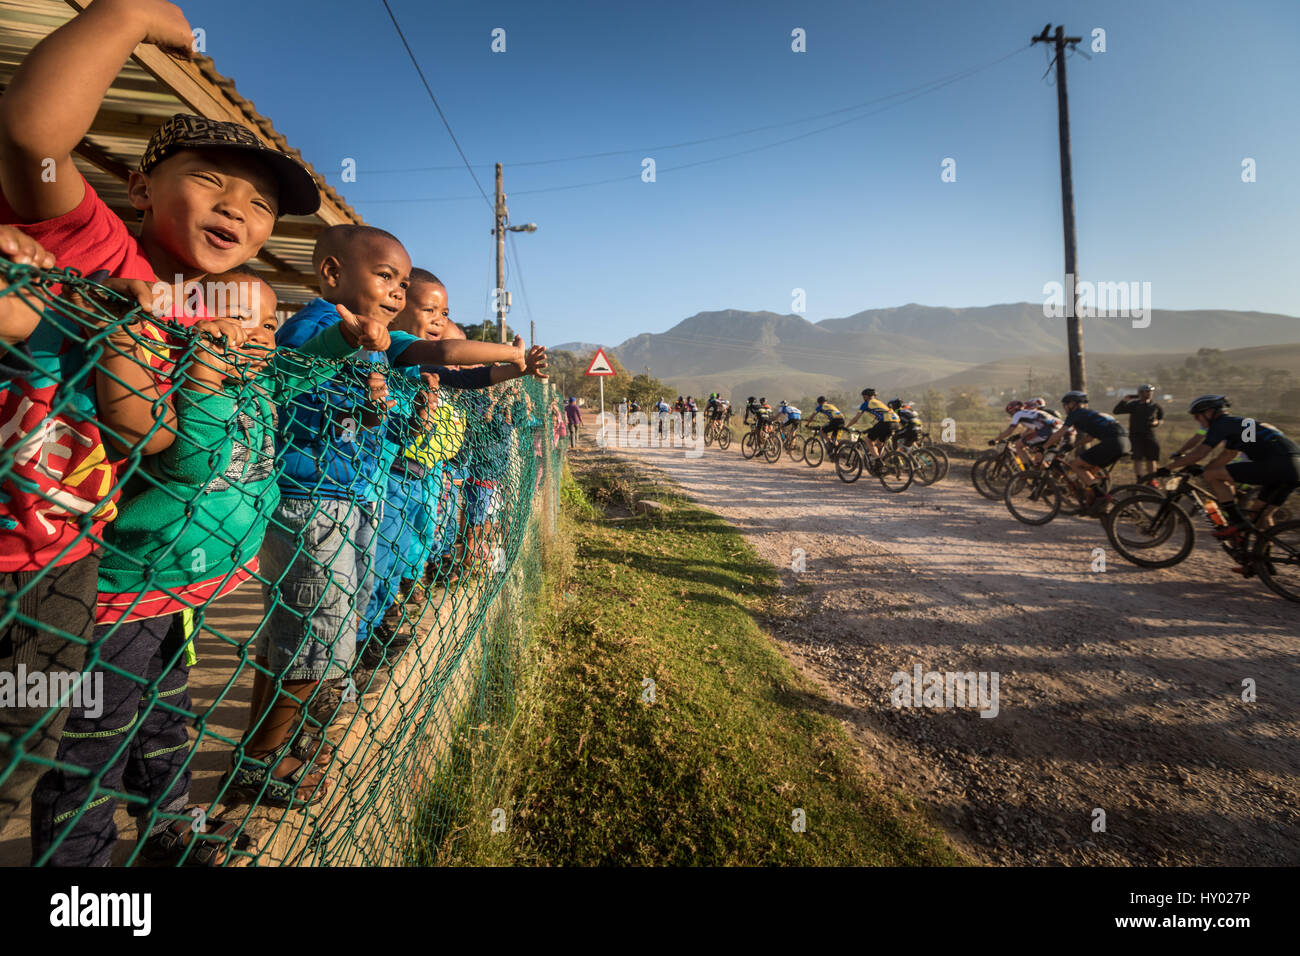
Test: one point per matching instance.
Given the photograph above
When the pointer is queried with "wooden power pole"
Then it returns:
(502, 217)
(1073, 327)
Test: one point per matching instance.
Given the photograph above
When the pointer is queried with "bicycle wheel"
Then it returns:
(894, 469)
(1033, 498)
(1149, 530)
(1277, 559)
(1147, 500)
(995, 477)
(848, 463)
(814, 451)
(794, 448)
(990, 476)
(941, 457)
(977, 471)
(925, 465)
(749, 445)
(710, 432)
(724, 437)
(772, 449)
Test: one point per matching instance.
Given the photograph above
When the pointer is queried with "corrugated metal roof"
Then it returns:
(150, 88)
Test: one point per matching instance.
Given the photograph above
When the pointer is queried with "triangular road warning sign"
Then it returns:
(600, 364)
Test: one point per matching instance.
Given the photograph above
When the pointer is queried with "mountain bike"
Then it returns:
(894, 468)
(995, 468)
(817, 447)
(712, 429)
(930, 463)
(761, 439)
(1039, 494)
(790, 440)
(1151, 527)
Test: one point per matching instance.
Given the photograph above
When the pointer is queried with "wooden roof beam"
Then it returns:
(204, 97)
(96, 156)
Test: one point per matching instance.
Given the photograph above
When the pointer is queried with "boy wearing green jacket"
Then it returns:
(189, 534)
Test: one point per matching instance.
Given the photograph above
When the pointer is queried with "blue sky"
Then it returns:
(857, 216)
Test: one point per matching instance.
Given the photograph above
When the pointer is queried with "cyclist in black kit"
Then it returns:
(1112, 442)
(1273, 465)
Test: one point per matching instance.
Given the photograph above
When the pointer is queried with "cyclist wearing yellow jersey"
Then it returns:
(834, 418)
(886, 418)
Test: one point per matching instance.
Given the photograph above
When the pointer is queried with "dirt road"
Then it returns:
(1119, 690)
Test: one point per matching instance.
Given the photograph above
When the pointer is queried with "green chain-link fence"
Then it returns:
(254, 667)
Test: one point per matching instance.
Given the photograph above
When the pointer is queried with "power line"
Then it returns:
(428, 89)
(951, 77)
(930, 88)
(523, 289)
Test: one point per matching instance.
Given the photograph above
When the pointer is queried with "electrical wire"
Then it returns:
(934, 86)
(519, 269)
(960, 74)
(428, 89)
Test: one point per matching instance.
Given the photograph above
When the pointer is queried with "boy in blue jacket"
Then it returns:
(318, 555)
(413, 483)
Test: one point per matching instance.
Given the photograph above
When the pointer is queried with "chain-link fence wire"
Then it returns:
(339, 649)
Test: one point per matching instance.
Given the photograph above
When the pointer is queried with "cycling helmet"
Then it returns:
(1014, 406)
(751, 400)
(868, 392)
(1146, 388)
(1208, 402)
(1036, 403)
(763, 400)
(1075, 395)
(821, 399)
(895, 403)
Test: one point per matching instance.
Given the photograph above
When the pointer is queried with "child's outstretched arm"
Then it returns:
(461, 352)
(57, 91)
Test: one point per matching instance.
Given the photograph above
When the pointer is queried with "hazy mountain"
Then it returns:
(1105, 369)
(580, 348)
(786, 355)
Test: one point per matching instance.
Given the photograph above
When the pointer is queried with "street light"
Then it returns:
(502, 296)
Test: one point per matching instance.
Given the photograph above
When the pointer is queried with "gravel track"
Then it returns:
(1120, 690)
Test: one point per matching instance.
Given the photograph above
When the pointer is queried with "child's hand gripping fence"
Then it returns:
(264, 603)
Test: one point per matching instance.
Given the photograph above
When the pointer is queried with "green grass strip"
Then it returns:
(735, 741)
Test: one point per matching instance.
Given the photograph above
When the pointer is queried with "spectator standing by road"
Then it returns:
(1145, 417)
(574, 415)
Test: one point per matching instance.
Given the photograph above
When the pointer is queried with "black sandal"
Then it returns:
(167, 846)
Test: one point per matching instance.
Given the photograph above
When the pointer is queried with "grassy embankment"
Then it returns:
(734, 742)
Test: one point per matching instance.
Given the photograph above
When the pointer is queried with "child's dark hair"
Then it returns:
(425, 276)
(333, 240)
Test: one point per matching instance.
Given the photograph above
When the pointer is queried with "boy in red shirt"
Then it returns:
(210, 193)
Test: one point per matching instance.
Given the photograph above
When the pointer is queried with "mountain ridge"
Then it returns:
(764, 352)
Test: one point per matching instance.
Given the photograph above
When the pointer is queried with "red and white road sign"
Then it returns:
(600, 365)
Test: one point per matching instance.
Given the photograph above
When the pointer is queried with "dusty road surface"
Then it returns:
(1119, 691)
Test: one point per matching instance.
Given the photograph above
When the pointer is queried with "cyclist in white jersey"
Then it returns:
(1036, 425)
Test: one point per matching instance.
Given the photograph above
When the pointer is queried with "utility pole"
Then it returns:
(1073, 328)
(499, 229)
(502, 217)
